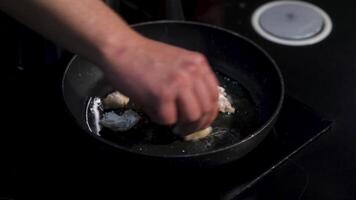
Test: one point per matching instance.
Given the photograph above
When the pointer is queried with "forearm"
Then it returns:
(85, 27)
(171, 84)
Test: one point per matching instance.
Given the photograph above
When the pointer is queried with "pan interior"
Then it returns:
(150, 138)
(248, 74)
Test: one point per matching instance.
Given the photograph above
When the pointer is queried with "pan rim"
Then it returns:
(265, 125)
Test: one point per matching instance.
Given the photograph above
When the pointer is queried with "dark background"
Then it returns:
(38, 154)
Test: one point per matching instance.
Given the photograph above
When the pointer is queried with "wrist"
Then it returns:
(115, 50)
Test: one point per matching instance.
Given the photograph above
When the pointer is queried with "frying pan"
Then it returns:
(248, 73)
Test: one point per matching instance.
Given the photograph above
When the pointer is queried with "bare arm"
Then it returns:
(174, 86)
(86, 27)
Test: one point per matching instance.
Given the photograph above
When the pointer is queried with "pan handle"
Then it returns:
(174, 10)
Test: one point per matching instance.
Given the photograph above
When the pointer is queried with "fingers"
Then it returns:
(165, 114)
(199, 66)
(189, 110)
(212, 85)
(188, 97)
(197, 105)
(164, 109)
(206, 90)
(207, 106)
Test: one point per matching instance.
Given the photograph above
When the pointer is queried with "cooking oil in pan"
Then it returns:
(228, 129)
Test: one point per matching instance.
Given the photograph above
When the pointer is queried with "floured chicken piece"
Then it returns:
(115, 100)
(224, 107)
(122, 122)
(224, 103)
(199, 134)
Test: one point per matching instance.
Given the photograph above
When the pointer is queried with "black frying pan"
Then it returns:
(248, 73)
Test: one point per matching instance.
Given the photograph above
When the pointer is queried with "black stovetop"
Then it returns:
(296, 128)
(48, 149)
(68, 152)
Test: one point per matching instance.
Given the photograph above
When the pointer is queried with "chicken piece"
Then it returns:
(122, 122)
(224, 107)
(115, 100)
(198, 135)
(224, 103)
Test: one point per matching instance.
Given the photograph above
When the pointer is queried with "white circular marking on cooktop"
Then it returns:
(294, 23)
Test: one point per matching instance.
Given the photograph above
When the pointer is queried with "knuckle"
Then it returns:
(198, 58)
(195, 60)
(208, 107)
(193, 116)
(166, 95)
(161, 95)
(181, 79)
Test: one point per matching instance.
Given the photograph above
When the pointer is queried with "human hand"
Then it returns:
(173, 86)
